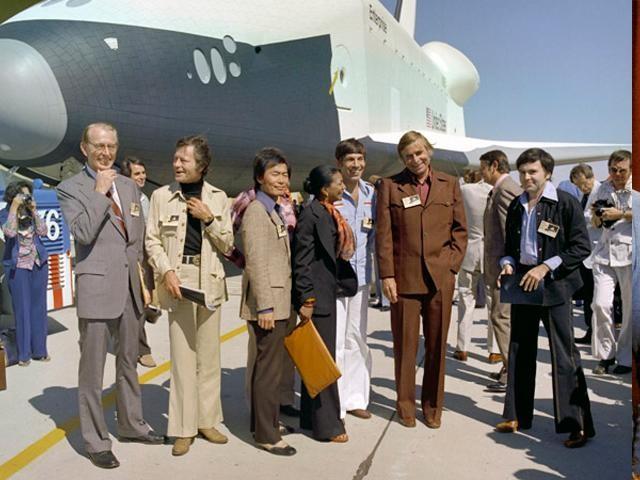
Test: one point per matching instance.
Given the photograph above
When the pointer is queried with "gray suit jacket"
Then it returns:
(474, 197)
(495, 218)
(106, 261)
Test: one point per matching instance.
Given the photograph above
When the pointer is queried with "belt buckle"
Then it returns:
(196, 260)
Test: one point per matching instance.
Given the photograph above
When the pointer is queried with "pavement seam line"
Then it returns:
(41, 446)
(365, 465)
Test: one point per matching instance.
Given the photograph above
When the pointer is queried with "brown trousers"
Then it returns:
(435, 309)
(265, 381)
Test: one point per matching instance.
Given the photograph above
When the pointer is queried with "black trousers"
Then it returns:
(265, 381)
(571, 406)
(586, 293)
(322, 413)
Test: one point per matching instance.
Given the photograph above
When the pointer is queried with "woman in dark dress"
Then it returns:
(323, 245)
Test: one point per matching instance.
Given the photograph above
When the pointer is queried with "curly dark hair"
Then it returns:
(14, 188)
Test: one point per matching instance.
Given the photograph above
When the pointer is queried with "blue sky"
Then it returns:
(549, 70)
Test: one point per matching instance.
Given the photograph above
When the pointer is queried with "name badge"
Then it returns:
(367, 223)
(282, 231)
(412, 201)
(135, 210)
(548, 229)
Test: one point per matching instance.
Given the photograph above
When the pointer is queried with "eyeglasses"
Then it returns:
(111, 147)
(621, 171)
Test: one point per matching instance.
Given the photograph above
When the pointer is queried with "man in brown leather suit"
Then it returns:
(421, 239)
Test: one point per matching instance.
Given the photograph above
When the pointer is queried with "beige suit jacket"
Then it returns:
(266, 281)
(474, 197)
(495, 218)
(166, 232)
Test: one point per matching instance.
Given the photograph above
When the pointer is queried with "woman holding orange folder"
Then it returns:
(323, 245)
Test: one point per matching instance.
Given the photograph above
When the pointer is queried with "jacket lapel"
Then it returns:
(323, 228)
(437, 189)
(405, 185)
(276, 220)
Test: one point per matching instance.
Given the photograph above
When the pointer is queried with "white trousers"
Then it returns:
(603, 340)
(467, 288)
(352, 352)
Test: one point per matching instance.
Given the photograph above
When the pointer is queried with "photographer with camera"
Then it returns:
(610, 211)
(26, 270)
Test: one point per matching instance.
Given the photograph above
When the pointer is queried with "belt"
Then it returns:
(191, 260)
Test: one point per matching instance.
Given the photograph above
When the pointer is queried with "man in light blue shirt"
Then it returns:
(352, 352)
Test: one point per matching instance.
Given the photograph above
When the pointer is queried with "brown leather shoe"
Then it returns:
(576, 440)
(431, 423)
(213, 435)
(341, 438)
(460, 355)
(360, 413)
(181, 446)
(495, 357)
(147, 361)
(407, 422)
(508, 426)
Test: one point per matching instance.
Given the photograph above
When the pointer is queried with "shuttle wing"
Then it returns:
(453, 153)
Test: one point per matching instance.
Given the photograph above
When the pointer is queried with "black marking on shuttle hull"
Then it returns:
(281, 97)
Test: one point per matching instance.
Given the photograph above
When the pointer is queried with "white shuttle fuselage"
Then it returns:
(300, 75)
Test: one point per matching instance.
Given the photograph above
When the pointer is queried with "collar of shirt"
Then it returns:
(500, 180)
(268, 202)
(427, 180)
(549, 193)
(362, 186)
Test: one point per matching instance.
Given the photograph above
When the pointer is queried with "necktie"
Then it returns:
(118, 213)
(583, 201)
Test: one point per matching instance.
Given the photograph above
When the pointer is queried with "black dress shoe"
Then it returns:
(285, 451)
(622, 370)
(289, 410)
(386, 308)
(576, 440)
(104, 459)
(498, 387)
(151, 438)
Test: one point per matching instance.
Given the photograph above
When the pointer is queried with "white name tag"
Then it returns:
(135, 210)
(548, 229)
(282, 231)
(412, 201)
(367, 223)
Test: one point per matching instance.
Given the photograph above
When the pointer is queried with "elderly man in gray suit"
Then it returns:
(104, 215)
(494, 168)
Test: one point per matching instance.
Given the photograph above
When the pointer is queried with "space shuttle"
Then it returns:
(297, 74)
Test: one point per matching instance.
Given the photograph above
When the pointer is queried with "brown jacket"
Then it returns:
(433, 235)
(495, 217)
(266, 281)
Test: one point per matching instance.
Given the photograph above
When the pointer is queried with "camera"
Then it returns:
(599, 206)
(25, 213)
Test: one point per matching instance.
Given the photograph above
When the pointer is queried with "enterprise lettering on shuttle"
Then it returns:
(377, 19)
(436, 121)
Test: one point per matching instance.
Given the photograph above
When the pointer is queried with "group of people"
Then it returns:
(315, 266)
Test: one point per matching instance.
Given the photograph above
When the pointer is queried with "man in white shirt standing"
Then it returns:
(611, 212)
(352, 352)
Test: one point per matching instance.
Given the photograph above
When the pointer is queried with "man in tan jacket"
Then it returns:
(188, 230)
(266, 296)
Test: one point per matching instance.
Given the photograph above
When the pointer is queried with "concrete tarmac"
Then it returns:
(39, 437)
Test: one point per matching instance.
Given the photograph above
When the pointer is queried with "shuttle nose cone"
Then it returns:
(33, 117)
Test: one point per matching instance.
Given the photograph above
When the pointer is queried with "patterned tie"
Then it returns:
(118, 213)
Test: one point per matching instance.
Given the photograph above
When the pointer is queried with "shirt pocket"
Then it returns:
(621, 249)
(169, 226)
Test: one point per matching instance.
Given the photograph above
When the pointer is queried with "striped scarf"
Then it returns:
(346, 242)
